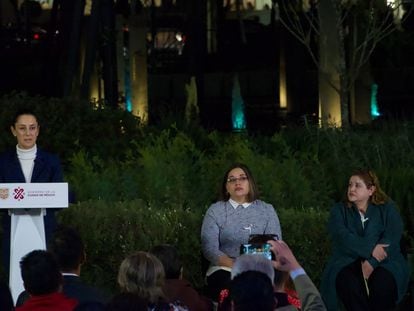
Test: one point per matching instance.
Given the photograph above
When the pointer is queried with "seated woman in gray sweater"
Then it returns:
(229, 223)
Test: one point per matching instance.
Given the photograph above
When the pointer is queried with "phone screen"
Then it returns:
(257, 248)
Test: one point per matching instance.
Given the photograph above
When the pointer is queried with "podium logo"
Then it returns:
(18, 194)
(4, 193)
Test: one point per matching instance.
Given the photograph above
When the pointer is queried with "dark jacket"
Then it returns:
(74, 287)
(46, 169)
(181, 290)
(351, 242)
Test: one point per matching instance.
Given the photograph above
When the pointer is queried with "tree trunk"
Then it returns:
(138, 63)
(50, 62)
(361, 96)
(108, 54)
(241, 23)
(330, 60)
(90, 51)
(344, 84)
(71, 71)
(212, 24)
(197, 45)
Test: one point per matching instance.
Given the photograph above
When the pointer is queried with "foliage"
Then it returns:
(136, 187)
(121, 228)
(68, 125)
(112, 230)
(305, 232)
(168, 164)
(347, 33)
(296, 168)
(174, 175)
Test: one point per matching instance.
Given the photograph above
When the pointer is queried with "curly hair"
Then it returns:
(370, 179)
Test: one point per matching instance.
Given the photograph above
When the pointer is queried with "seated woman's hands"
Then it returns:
(366, 269)
(225, 261)
(379, 252)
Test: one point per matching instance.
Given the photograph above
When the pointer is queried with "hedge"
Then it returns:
(113, 230)
(136, 186)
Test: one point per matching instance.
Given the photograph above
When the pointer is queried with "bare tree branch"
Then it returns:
(361, 25)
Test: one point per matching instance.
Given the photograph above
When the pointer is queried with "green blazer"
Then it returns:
(350, 241)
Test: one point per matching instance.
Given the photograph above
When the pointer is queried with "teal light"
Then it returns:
(127, 81)
(237, 107)
(127, 71)
(374, 105)
(128, 102)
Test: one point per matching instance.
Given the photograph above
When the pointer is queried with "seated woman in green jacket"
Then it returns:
(367, 270)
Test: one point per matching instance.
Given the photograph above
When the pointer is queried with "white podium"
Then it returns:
(27, 204)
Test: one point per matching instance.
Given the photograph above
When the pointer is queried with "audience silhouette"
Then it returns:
(67, 247)
(43, 281)
(175, 287)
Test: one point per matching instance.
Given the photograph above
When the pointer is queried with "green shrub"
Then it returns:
(112, 230)
(129, 179)
(168, 164)
(69, 125)
(297, 169)
(305, 232)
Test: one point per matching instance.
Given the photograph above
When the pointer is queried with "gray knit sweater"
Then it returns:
(224, 228)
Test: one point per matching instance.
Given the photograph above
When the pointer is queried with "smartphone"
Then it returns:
(262, 238)
(257, 248)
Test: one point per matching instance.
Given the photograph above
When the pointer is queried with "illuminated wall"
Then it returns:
(251, 4)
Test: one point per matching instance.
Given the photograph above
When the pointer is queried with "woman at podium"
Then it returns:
(27, 164)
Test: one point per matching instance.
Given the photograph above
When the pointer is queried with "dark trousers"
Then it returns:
(351, 289)
(216, 282)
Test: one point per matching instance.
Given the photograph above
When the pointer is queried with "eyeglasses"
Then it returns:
(233, 180)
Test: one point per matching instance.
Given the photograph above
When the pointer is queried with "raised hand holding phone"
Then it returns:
(284, 258)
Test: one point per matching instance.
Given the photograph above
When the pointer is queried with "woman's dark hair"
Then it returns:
(253, 191)
(21, 112)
